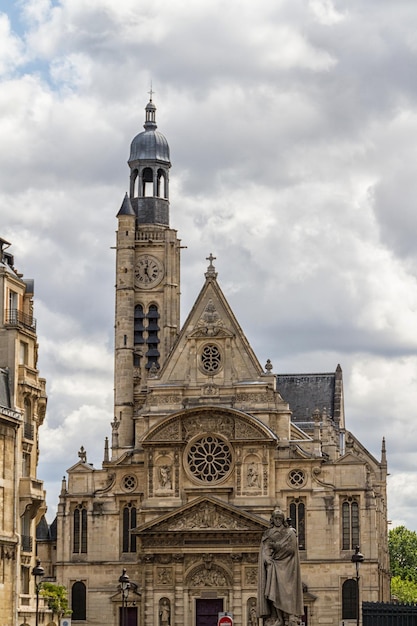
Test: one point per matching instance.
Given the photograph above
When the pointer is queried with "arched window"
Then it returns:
(78, 601)
(28, 425)
(349, 599)
(297, 515)
(350, 524)
(147, 182)
(138, 339)
(80, 530)
(129, 522)
(152, 340)
(134, 191)
(161, 184)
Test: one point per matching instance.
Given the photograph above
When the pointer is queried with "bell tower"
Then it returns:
(147, 315)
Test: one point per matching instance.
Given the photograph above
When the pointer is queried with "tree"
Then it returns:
(56, 598)
(402, 545)
(403, 590)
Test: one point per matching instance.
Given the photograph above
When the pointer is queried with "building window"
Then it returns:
(28, 428)
(138, 339)
(25, 580)
(26, 465)
(147, 182)
(80, 530)
(26, 537)
(349, 599)
(152, 340)
(297, 515)
(78, 601)
(129, 523)
(209, 459)
(210, 359)
(13, 307)
(23, 353)
(350, 524)
(161, 184)
(296, 478)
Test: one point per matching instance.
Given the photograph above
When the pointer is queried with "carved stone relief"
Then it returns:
(164, 576)
(207, 515)
(251, 575)
(204, 577)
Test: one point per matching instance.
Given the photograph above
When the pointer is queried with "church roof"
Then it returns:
(126, 208)
(46, 532)
(307, 392)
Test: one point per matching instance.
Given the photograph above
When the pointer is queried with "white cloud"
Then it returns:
(292, 133)
(11, 48)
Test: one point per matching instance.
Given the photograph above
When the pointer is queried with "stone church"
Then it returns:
(205, 442)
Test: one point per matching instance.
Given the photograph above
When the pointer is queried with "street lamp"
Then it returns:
(357, 559)
(124, 587)
(38, 573)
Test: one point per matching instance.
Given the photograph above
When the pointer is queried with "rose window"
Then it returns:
(209, 459)
(210, 359)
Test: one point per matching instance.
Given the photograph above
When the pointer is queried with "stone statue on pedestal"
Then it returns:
(280, 593)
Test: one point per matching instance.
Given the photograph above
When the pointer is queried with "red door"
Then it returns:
(207, 610)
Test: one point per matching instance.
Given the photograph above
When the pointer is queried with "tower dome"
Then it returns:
(149, 164)
(150, 144)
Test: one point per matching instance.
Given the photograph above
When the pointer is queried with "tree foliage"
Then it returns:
(402, 545)
(56, 598)
(403, 590)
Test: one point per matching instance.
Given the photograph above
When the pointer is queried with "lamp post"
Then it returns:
(124, 588)
(38, 573)
(357, 559)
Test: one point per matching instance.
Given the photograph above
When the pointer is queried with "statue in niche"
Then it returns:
(280, 593)
(252, 476)
(252, 613)
(164, 612)
(164, 475)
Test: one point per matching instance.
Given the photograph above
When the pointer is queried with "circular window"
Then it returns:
(296, 478)
(209, 459)
(129, 483)
(210, 359)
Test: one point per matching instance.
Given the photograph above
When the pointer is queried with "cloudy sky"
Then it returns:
(293, 134)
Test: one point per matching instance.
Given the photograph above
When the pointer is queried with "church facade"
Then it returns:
(205, 443)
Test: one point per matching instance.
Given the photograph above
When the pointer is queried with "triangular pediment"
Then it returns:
(204, 515)
(350, 459)
(211, 324)
(81, 467)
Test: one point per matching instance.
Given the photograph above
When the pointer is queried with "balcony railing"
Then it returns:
(15, 317)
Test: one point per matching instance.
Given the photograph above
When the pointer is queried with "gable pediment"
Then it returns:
(204, 515)
(212, 325)
(81, 468)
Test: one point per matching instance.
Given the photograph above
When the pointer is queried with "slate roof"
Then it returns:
(46, 532)
(307, 392)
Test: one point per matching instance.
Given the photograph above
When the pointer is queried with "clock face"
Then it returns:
(148, 271)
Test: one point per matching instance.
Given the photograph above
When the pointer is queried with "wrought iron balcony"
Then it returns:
(15, 317)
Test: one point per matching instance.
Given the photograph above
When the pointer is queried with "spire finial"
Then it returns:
(150, 110)
(211, 270)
